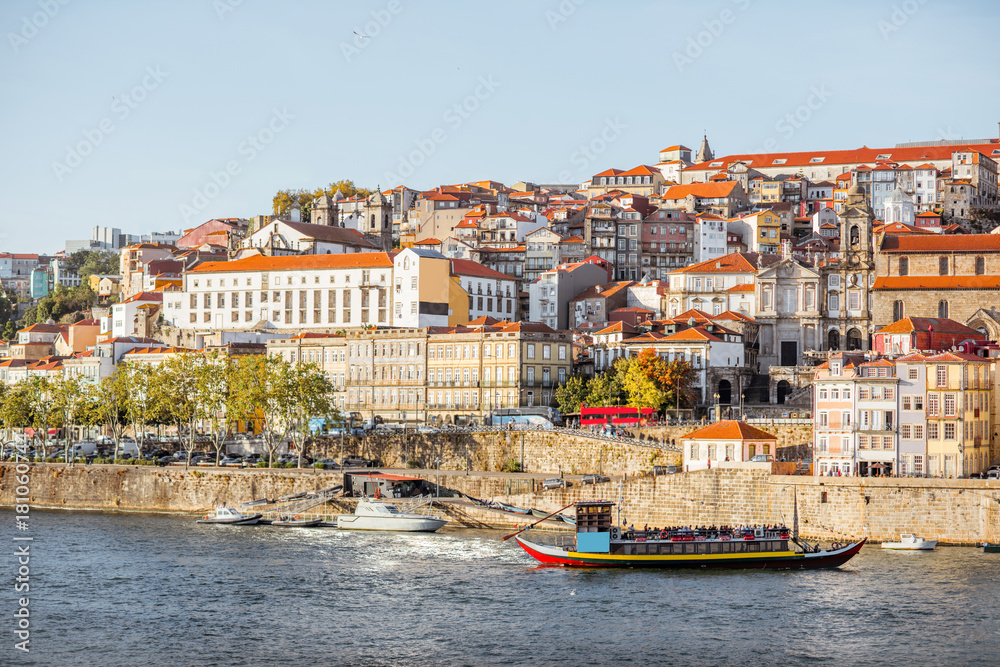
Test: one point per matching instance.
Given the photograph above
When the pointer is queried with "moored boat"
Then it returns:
(376, 515)
(230, 516)
(991, 548)
(295, 522)
(600, 544)
(510, 508)
(910, 542)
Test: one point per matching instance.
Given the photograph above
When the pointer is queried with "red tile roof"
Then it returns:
(734, 262)
(849, 156)
(942, 243)
(617, 327)
(910, 325)
(729, 430)
(694, 333)
(701, 190)
(466, 267)
(936, 282)
(349, 260)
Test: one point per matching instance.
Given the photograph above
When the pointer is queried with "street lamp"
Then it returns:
(437, 483)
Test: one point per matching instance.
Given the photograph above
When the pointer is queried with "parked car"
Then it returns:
(328, 464)
(594, 479)
(556, 483)
(165, 460)
(993, 474)
(762, 458)
(356, 462)
(664, 470)
(427, 430)
(231, 461)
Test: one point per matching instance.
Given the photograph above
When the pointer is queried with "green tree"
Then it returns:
(91, 262)
(217, 400)
(142, 398)
(599, 390)
(311, 396)
(42, 408)
(176, 398)
(570, 394)
(109, 408)
(15, 411)
(263, 397)
(71, 403)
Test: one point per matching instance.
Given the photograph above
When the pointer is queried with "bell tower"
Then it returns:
(849, 281)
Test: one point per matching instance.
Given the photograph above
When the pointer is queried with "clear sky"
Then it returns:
(154, 116)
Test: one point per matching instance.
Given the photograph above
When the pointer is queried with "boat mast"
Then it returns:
(795, 513)
(621, 499)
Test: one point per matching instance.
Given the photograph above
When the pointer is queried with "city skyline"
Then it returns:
(160, 118)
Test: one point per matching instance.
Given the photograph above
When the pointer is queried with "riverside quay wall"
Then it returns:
(951, 510)
(955, 511)
(540, 451)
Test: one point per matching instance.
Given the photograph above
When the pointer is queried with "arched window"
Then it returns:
(942, 266)
(853, 339)
(980, 266)
(942, 309)
(855, 235)
(834, 340)
(897, 311)
(904, 266)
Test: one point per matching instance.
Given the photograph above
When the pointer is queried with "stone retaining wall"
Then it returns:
(954, 511)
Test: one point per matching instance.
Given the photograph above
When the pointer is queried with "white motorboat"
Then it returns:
(376, 515)
(230, 516)
(911, 542)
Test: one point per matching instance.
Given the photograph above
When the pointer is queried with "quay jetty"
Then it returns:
(954, 511)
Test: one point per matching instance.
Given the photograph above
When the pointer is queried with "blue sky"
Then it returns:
(156, 116)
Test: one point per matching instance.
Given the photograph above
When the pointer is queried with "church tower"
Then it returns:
(377, 222)
(324, 211)
(849, 281)
(704, 151)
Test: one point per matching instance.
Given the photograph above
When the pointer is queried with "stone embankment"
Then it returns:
(953, 511)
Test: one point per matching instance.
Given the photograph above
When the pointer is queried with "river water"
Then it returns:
(138, 589)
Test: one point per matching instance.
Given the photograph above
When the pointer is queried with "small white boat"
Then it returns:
(911, 542)
(375, 515)
(230, 516)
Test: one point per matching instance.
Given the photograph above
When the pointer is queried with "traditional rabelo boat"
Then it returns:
(599, 543)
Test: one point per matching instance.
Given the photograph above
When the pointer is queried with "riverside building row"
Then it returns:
(447, 374)
(918, 414)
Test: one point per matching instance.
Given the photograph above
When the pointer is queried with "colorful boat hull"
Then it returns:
(786, 560)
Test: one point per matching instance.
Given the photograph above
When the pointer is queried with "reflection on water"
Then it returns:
(134, 589)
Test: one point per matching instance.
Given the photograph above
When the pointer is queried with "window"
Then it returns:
(933, 405)
(694, 451)
(912, 373)
(531, 351)
(918, 431)
(918, 402)
(949, 405)
(949, 431)
(905, 431)
(942, 309)
(942, 376)
(980, 266)
(906, 402)
(897, 311)
(943, 266)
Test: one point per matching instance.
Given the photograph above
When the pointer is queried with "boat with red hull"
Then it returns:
(599, 544)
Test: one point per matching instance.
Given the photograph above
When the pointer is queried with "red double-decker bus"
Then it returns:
(615, 415)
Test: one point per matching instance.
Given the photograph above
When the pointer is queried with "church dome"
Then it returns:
(856, 190)
(339, 196)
